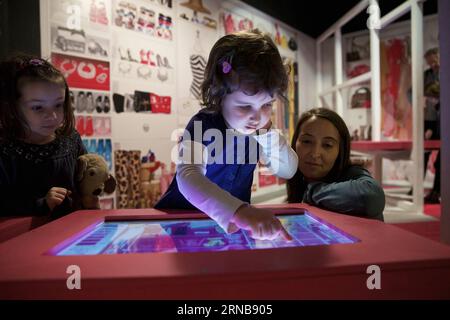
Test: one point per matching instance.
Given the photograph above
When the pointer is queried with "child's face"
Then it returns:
(247, 113)
(317, 148)
(42, 104)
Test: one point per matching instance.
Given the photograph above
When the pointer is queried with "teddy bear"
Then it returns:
(93, 179)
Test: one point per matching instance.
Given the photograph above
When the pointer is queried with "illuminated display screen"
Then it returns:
(194, 235)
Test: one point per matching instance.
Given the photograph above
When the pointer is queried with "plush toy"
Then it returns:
(93, 179)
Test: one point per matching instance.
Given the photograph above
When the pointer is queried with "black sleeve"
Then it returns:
(80, 146)
(15, 201)
(359, 195)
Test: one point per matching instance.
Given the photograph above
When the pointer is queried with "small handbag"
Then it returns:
(361, 98)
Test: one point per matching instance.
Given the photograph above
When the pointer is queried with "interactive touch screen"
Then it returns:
(194, 235)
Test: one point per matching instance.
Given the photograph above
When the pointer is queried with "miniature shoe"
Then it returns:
(89, 126)
(101, 14)
(166, 63)
(99, 104)
(119, 101)
(98, 126)
(93, 12)
(101, 148)
(89, 102)
(130, 57)
(108, 153)
(129, 102)
(159, 60)
(79, 124)
(86, 144)
(81, 102)
(143, 55)
(72, 100)
(106, 104)
(107, 126)
(149, 58)
(92, 146)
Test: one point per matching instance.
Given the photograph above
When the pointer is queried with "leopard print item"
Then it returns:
(127, 165)
(120, 164)
(134, 167)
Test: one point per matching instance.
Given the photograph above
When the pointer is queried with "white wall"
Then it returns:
(146, 130)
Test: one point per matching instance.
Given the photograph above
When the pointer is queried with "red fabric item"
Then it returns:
(357, 70)
(395, 53)
(229, 24)
(79, 120)
(266, 180)
(160, 104)
(89, 126)
(83, 73)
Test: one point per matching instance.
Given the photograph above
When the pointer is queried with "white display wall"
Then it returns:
(134, 66)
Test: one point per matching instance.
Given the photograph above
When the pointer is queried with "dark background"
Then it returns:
(313, 17)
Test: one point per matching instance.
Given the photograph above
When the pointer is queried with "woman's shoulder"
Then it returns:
(354, 171)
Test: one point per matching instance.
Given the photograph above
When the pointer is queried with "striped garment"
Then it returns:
(198, 64)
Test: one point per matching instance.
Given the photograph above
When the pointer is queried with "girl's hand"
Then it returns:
(266, 128)
(268, 125)
(262, 224)
(55, 196)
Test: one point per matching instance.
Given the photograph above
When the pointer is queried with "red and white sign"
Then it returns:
(83, 73)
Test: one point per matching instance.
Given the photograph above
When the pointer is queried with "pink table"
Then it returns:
(411, 266)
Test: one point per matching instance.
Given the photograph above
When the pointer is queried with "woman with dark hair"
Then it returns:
(325, 176)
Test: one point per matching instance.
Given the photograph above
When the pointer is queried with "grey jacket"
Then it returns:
(355, 193)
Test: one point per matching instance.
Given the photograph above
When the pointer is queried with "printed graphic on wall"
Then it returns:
(78, 15)
(143, 19)
(138, 59)
(233, 22)
(83, 73)
(67, 41)
(200, 15)
(87, 101)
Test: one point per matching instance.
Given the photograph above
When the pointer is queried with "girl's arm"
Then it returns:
(277, 154)
(360, 195)
(208, 197)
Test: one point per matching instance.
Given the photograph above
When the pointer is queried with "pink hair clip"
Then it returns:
(226, 67)
(36, 62)
(32, 62)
